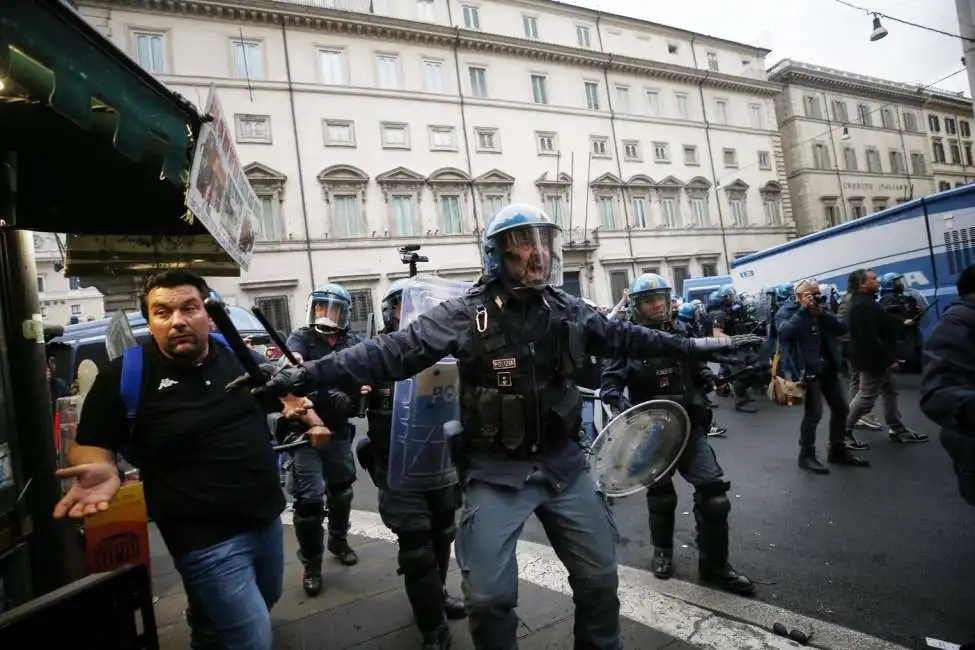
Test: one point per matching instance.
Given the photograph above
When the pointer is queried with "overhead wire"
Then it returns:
(900, 20)
(839, 125)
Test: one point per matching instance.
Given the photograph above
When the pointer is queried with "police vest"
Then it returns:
(516, 397)
(662, 378)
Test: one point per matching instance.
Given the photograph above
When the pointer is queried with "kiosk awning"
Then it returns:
(100, 147)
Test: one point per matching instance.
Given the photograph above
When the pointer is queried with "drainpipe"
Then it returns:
(836, 160)
(463, 125)
(301, 172)
(616, 144)
(906, 158)
(714, 171)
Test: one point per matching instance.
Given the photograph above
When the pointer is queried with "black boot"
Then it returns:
(841, 455)
(311, 546)
(438, 639)
(453, 608)
(808, 461)
(339, 514)
(711, 514)
(662, 564)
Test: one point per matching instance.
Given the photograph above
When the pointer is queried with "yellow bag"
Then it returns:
(782, 391)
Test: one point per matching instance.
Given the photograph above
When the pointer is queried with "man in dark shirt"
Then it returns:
(207, 466)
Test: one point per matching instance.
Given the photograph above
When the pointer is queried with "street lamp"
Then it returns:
(879, 31)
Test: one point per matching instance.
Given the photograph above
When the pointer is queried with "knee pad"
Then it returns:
(416, 555)
(712, 507)
(341, 493)
(309, 508)
(662, 498)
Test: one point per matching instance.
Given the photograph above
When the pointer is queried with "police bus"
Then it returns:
(928, 240)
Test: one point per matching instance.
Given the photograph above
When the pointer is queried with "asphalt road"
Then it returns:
(885, 550)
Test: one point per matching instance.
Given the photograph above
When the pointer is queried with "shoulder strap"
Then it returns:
(130, 388)
(221, 339)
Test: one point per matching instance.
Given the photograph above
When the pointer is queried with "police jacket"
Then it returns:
(680, 380)
(333, 406)
(518, 408)
(806, 340)
(379, 414)
(724, 319)
(948, 388)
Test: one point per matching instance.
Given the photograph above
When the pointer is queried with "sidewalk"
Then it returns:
(364, 607)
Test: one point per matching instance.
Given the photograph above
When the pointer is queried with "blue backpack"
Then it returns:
(130, 388)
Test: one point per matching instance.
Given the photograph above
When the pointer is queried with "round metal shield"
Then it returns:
(639, 447)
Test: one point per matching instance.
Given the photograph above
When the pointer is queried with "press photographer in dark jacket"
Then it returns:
(874, 336)
(948, 382)
(808, 334)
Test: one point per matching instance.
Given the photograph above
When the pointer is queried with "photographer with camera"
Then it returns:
(809, 336)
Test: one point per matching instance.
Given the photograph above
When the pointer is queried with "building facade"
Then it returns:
(855, 145)
(63, 300)
(949, 125)
(366, 126)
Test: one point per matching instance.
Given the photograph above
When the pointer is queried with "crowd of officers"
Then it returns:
(521, 345)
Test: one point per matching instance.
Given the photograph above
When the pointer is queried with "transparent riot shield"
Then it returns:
(419, 458)
(639, 447)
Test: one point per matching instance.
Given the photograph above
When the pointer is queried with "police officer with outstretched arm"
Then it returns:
(424, 521)
(517, 339)
(327, 468)
(683, 381)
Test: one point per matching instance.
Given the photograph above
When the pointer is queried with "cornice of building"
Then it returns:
(384, 28)
(556, 6)
(788, 72)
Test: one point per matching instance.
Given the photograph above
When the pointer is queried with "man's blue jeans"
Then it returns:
(231, 587)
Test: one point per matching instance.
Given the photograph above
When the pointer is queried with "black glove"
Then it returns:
(711, 345)
(710, 382)
(290, 380)
(618, 405)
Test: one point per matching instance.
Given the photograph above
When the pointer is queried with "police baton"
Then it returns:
(221, 319)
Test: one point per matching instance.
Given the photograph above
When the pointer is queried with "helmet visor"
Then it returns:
(391, 309)
(329, 312)
(531, 257)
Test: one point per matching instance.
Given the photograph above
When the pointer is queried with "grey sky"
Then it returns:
(823, 32)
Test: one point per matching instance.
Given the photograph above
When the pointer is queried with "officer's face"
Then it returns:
(527, 256)
(178, 322)
(654, 307)
(331, 312)
(397, 309)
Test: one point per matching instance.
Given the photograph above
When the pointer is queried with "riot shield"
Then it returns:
(119, 336)
(419, 458)
(639, 447)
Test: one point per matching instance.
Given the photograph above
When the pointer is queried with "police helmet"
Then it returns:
(329, 308)
(523, 247)
(645, 287)
(727, 291)
(393, 297)
(892, 282)
(687, 313)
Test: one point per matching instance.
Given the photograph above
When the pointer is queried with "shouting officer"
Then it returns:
(423, 521)
(517, 340)
(683, 381)
(328, 469)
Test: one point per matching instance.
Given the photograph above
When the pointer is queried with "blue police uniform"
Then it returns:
(685, 382)
(517, 340)
(424, 521)
(322, 477)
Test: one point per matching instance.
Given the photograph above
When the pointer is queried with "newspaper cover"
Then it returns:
(219, 194)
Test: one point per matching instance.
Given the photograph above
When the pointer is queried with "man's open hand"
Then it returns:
(94, 487)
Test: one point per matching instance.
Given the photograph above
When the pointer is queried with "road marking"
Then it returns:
(700, 616)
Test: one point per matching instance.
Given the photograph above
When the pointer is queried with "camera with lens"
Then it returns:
(409, 254)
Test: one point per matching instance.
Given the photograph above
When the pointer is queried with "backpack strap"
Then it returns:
(130, 388)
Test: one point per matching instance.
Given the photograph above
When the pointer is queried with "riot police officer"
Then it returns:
(896, 299)
(517, 340)
(689, 315)
(329, 469)
(424, 522)
(727, 319)
(681, 381)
